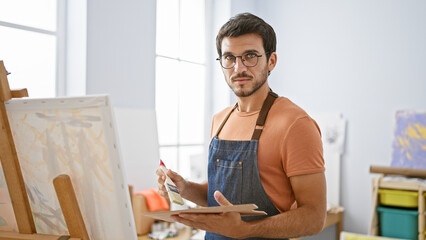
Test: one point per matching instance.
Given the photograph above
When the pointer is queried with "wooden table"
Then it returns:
(333, 217)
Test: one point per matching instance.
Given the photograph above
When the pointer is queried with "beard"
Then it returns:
(240, 91)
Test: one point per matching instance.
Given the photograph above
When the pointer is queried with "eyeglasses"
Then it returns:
(250, 59)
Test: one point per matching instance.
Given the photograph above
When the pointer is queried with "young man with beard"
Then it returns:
(264, 150)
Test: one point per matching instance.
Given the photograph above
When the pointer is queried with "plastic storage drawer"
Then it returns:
(399, 198)
(398, 223)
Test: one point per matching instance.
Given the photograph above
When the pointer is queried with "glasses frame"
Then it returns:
(242, 60)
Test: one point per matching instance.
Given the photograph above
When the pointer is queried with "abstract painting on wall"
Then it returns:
(74, 136)
(409, 145)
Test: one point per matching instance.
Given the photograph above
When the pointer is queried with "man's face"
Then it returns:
(244, 80)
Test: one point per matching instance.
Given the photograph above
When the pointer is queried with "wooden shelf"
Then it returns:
(402, 185)
(381, 183)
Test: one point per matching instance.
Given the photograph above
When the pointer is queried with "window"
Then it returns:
(31, 45)
(180, 81)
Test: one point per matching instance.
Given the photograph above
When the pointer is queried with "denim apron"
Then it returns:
(233, 170)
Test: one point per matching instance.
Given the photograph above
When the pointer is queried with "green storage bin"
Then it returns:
(398, 223)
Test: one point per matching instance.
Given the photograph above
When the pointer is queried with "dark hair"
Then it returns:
(245, 23)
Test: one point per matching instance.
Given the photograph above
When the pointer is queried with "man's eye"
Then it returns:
(229, 57)
(251, 55)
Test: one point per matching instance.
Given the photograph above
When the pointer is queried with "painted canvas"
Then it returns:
(74, 136)
(333, 128)
(409, 144)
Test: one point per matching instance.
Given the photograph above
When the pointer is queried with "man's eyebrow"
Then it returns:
(251, 51)
(246, 51)
(227, 53)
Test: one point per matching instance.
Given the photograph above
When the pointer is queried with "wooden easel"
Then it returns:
(16, 186)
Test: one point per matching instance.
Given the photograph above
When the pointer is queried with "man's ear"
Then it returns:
(272, 62)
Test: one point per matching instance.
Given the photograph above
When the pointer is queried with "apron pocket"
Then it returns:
(229, 179)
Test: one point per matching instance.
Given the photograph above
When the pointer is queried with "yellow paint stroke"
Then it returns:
(401, 141)
(409, 157)
(421, 129)
(404, 142)
(416, 131)
(412, 132)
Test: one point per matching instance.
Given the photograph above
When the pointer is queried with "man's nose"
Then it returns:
(239, 65)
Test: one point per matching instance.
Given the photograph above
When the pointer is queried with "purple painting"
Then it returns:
(409, 145)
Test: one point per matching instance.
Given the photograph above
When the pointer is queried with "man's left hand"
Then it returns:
(227, 224)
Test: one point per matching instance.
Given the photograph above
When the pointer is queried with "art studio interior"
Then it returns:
(95, 92)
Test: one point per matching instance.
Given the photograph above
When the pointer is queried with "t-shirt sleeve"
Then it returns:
(302, 151)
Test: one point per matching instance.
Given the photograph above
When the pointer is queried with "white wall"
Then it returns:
(364, 59)
(76, 48)
(121, 62)
(121, 51)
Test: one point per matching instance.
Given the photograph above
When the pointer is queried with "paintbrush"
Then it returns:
(171, 188)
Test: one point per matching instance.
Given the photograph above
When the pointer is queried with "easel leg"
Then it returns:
(70, 208)
(9, 160)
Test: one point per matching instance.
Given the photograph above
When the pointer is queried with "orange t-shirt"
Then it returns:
(289, 145)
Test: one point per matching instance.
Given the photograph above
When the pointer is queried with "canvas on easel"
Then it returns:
(73, 136)
(29, 127)
(15, 186)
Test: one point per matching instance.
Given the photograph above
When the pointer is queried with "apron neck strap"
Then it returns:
(267, 104)
(226, 119)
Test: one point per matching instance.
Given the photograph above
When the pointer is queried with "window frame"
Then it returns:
(205, 64)
(61, 43)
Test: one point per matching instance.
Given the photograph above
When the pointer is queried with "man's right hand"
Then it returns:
(179, 181)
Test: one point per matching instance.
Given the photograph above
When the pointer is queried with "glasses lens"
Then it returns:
(227, 61)
(250, 59)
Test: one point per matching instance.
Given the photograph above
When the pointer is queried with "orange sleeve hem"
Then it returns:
(306, 171)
